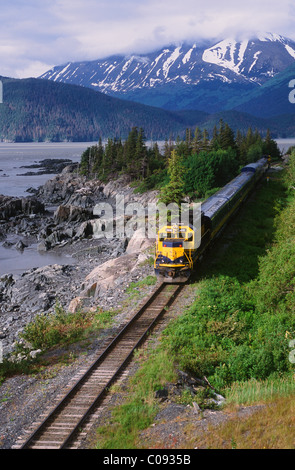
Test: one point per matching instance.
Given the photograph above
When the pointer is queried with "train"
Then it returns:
(180, 245)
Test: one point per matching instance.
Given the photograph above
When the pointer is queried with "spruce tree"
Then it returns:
(98, 157)
(270, 146)
(130, 151)
(85, 162)
(226, 137)
(174, 191)
(205, 141)
(215, 138)
(197, 141)
(140, 157)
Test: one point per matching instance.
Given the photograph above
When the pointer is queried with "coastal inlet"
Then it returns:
(85, 271)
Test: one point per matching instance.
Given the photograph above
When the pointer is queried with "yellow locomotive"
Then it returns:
(179, 246)
(174, 251)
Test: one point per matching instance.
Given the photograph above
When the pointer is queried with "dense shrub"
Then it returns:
(209, 169)
(63, 327)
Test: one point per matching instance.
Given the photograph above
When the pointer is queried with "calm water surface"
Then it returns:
(13, 261)
(14, 156)
(284, 144)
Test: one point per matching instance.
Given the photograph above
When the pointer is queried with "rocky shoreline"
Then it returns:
(58, 218)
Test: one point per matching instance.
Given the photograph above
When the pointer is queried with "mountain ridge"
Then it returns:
(177, 76)
(38, 110)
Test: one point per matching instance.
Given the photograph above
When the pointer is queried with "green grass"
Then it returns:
(248, 236)
(260, 391)
(60, 329)
(148, 281)
(135, 289)
(243, 318)
(140, 408)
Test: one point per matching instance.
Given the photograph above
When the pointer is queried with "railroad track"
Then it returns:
(61, 427)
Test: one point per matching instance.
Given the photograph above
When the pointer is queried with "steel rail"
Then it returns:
(62, 404)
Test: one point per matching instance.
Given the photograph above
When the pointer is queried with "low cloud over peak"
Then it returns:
(36, 35)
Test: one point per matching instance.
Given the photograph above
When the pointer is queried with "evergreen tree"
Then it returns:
(140, 157)
(98, 157)
(168, 147)
(130, 150)
(174, 190)
(188, 141)
(221, 127)
(250, 138)
(155, 159)
(85, 163)
(205, 141)
(226, 137)
(119, 155)
(196, 144)
(239, 137)
(215, 138)
(270, 146)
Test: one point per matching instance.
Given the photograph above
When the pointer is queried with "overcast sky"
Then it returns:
(35, 35)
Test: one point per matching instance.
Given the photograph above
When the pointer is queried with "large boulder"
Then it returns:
(139, 242)
(108, 275)
(69, 213)
(31, 205)
(9, 207)
(60, 188)
(13, 206)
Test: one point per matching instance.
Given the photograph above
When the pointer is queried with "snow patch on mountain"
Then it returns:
(170, 61)
(265, 37)
(256, 55)
(290, 50)
(187, 56)
(227, 53)
(62, 72)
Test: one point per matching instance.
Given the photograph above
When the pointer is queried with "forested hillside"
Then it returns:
(38, 110)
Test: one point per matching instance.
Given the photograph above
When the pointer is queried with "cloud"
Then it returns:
(36, 35)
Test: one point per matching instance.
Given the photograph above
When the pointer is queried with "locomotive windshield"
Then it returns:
(173, 244)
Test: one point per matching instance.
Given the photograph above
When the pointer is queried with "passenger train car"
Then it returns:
(176, 247)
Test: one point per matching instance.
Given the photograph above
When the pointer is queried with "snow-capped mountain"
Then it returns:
(255, 60)
(247, 63)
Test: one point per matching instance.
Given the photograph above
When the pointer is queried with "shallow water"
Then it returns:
(284, 144)
(14, 156)
(13, 261)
